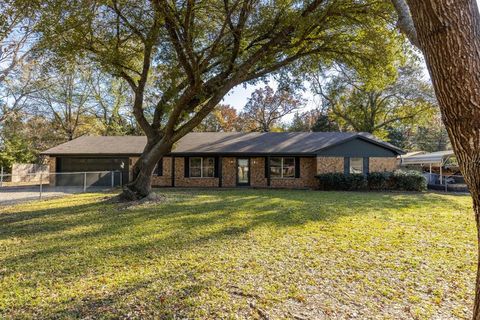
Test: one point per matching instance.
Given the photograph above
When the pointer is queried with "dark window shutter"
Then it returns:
(215, 165)
(297, 167)
(267, 167)
(346, 165)
(366, 165)
(160, 167)
(186, 167)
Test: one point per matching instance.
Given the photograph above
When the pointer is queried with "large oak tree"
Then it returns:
(448, 34)
(181, 58)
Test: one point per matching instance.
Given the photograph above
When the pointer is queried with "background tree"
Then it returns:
(189, 55)
(64, 94)
(315, 120)
(16, 30)
(432, 136)
(23, 137)
(448, 34)
(223, 118)
(356, 104)
(111, 100)
(266, 108)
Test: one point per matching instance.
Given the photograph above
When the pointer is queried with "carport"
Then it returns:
(434, 158)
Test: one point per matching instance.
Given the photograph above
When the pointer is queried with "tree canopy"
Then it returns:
(181, 58)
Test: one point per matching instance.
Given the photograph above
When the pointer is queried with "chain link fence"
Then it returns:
(29, 186)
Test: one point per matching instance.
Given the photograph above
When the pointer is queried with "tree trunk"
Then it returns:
(449, 36)
(141, 184)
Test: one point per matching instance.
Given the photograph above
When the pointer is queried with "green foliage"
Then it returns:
(205, 254)
(356, 104)
(340, 181)
(312, 120)
(408, 180)
(181, 58)
(379, 180)
(15, 150)
(398, 180)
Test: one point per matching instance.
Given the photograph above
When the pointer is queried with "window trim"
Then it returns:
(201, 167)
(365, 165)
(282, 160)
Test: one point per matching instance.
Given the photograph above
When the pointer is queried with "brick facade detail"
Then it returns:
(329, 164)
(309, 167)
(229, 175)
(383, 164)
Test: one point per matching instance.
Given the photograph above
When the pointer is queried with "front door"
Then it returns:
(243, 172)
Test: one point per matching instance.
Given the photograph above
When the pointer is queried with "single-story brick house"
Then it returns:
(221, 159)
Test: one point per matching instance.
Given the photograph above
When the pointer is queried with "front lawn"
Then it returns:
(221, 254)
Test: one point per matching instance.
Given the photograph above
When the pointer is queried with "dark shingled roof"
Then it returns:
(219, 143)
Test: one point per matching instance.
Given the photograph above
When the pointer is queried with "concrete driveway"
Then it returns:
(12, 195)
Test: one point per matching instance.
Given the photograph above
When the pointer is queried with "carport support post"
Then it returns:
(1, 177)
(84, 181)
(441, 178)
(112, 172)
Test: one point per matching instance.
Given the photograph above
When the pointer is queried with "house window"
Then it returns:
(282, 167)
(202, 167)
(356, 165)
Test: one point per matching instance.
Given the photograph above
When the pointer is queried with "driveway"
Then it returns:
(12, 195)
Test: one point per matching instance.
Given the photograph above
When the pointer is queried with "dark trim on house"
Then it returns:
(243, 154)
(366, 166)
(395, 150)
(297, 167)
(160, 167)
(358, 148)
(267, 171)
(220, 171)
(238, 184)
(172, 166)
(186, 167)
(96, 155)
(346, 165)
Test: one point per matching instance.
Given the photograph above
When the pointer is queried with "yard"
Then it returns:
(264, 254)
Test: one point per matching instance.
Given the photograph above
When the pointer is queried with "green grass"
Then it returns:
(240, 254)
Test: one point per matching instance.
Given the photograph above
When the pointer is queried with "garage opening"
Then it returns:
(99, 171)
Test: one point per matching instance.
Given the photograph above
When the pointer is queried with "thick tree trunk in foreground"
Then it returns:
(141, 184)
(449, 36)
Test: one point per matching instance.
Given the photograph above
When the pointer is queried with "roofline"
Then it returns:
(89, 154)
(398, 151)
(185, 154)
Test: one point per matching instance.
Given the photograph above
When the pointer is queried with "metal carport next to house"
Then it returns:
(434, 158)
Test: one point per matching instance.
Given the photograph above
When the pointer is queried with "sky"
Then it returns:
(239, 95)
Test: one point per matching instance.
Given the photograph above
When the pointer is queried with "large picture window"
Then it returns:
(282, 167)
(202, 167)
(356, 165)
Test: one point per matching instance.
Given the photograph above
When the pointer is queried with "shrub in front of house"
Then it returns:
(379, 180)
(398, 180)
(340, 181)
(408, 181)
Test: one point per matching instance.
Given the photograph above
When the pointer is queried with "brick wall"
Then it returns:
(383, 164)
(329, 164)
(165, 180)
(257, 172)
(229, 175)
(229, 172)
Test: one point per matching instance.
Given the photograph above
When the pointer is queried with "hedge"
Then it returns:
(398, 180)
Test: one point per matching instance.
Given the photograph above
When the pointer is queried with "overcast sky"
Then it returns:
(239, 95)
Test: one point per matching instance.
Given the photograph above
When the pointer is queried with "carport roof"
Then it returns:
(219, 143)
(428, 158)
